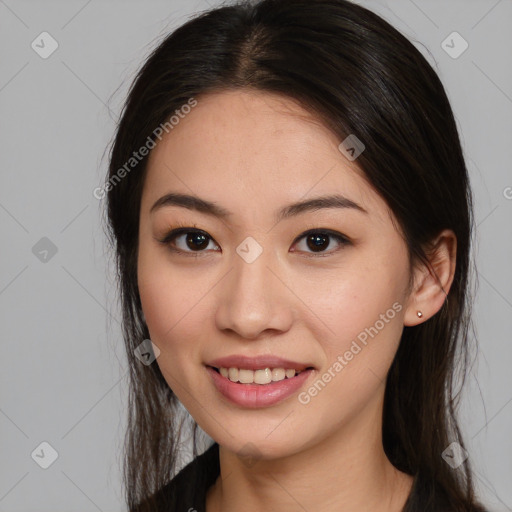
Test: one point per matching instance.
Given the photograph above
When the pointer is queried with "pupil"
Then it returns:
(192, 238)
(316, 240)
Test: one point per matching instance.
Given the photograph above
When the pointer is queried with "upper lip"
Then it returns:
(257, 363)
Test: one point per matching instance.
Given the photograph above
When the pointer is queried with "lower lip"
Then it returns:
(258, 395)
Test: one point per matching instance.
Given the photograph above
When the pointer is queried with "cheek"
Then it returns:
(357, 359)
(173, 311)
(358, 320)
(343, 303)
(171, 304)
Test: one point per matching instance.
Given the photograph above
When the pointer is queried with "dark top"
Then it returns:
(187, 490)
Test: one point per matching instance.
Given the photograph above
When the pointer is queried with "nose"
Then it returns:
(254, 298)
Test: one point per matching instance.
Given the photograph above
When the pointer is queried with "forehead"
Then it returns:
(248, 150)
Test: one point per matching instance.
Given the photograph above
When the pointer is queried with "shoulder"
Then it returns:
(187, 490)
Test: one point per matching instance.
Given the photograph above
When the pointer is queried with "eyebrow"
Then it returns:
(201, 205)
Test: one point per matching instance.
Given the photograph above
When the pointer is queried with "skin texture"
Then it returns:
(253, 153)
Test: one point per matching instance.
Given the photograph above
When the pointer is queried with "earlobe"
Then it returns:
(432, 283)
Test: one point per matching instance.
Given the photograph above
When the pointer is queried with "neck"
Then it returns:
(347, 471)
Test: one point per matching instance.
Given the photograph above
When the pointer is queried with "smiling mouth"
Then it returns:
(261, 376)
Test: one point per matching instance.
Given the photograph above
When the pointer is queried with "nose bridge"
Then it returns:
(251, 279)
(250, 301)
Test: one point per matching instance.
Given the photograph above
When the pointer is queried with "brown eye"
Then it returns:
(318, 241)
(192, 240)
(196, 241)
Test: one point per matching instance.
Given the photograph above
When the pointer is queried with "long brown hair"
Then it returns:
(358, 75)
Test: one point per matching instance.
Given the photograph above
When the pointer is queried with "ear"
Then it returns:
(431, 285)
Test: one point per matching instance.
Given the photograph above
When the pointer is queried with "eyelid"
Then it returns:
(179, 229)
(174, 233)
(323, 231)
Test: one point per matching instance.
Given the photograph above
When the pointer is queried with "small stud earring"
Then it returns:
(419, 313)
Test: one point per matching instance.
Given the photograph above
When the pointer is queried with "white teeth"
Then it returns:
(233, 374)
(278, 374)
(290, 374)
(246, 376)
(263, 376)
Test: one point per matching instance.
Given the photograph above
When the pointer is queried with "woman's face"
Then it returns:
(252, 285)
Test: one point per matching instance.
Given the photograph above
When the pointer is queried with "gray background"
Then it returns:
(63, 377)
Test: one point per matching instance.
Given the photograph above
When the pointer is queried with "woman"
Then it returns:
(291, 214)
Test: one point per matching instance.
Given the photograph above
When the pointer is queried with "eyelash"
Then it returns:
(181, 229)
